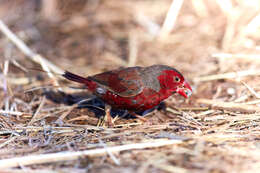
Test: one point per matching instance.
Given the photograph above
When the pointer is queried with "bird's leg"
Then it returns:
(138, 116)
(108, 117)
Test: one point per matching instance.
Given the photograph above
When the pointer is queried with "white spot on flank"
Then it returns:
(231, 91)
(101, 90)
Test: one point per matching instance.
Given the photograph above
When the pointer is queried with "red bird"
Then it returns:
(135, 88)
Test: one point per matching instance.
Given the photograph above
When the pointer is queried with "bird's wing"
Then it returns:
(125, 82)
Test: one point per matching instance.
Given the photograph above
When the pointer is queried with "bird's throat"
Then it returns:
(165, 93)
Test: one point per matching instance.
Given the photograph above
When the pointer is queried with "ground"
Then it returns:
(215, 44)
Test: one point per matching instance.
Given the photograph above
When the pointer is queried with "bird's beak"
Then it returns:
(185, 90)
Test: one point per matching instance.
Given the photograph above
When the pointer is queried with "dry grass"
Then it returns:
(215, 44)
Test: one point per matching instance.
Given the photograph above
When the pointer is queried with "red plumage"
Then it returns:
(135, 88)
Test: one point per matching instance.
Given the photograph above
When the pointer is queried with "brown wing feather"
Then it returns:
(124, 82)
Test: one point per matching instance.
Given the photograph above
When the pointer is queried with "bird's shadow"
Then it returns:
(92, 103)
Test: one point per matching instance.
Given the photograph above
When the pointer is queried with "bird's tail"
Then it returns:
(75, 78)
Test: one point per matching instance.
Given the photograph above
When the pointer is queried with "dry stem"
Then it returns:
(64, 156)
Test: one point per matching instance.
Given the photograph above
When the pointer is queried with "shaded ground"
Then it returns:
(214, 44)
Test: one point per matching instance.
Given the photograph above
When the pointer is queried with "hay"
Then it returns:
(46, 125)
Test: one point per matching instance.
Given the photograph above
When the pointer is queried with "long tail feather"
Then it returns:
(74, 77)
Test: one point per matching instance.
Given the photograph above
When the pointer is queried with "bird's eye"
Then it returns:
(177, 79)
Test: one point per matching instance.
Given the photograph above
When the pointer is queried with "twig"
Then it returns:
(26, 50)
(229, 75)
(238, 117)
(253, 25)
(65, 156)
(171, 17)
(170, 168)
(231, 19)
(19, 65)
(251, 90)
(200, 8)
(230, 105)
(192, 108)
(46, 65)
(8, 141)
(35, 116)
(11, 112)
(149, 25)
(173, 111)
(248, 57)
(133, 49)
(205, 113)
(253, 102)
(112, 156)
(29, 129)
(50, 10)
(225, 7)
(66, 113)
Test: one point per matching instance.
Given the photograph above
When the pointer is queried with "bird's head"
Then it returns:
(173, 81)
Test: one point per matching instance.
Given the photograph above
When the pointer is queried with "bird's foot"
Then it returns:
(138, 117)
(104, 121)
(107, 119)
(145, 121)
(141, 118)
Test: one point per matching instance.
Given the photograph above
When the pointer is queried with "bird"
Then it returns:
(134, 89)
